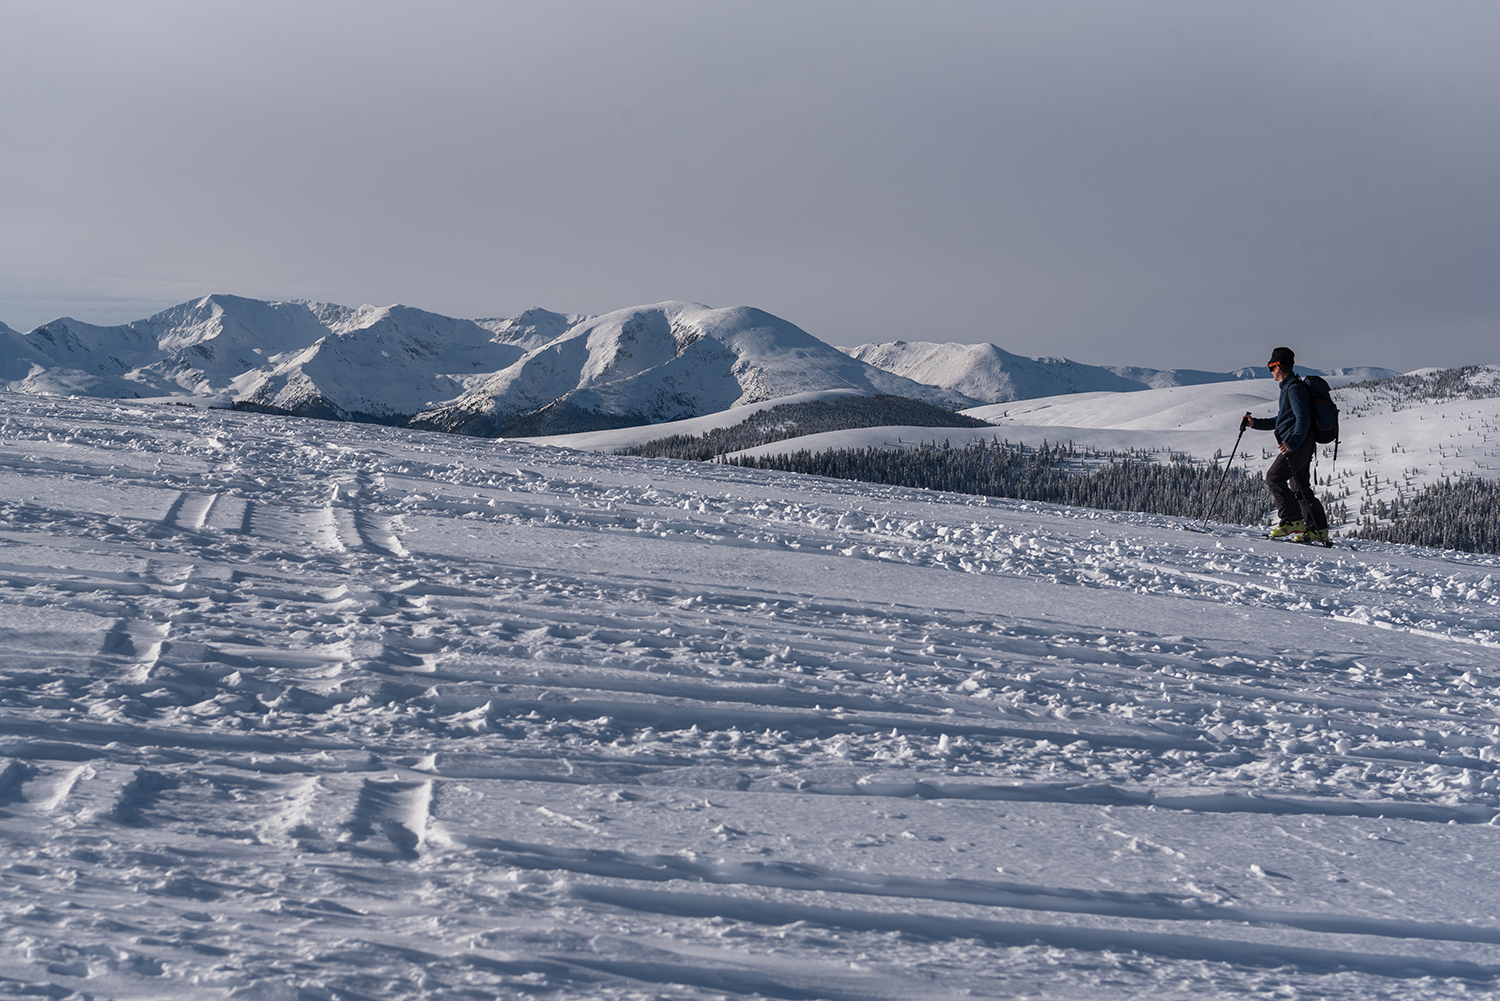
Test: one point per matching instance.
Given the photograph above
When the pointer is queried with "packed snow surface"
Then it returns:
(295, 709)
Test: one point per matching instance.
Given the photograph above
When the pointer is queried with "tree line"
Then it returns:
(793, 420)
(1050, 473)
(1450, 514)
(1453, 514)
(1400, 392)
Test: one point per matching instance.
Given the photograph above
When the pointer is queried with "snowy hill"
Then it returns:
(302, 711)
(1397, 435)
(19, 358)
(666, 362)
(993, 375)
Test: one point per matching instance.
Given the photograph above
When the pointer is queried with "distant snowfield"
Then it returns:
(296, 709)
(1149, 419)
(1387, 450)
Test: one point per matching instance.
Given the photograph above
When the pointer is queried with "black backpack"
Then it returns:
(1324, 411)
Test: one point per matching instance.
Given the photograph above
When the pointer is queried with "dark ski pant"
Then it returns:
(1290, 481)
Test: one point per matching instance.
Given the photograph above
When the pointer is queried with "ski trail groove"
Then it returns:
(794, 876)
(1189, 947)
(193, 511)
(392, 810)
(297, 529)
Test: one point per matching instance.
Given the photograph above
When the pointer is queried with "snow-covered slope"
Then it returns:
(302, 357)
(1393, 442)
(1395, 439)
(19, 358)
(616, 439)
(382, 362)
(301, 711)
(993, 375)
(667, 362)
(532, 328)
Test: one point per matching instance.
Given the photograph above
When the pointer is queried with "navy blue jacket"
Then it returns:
(1293, 422)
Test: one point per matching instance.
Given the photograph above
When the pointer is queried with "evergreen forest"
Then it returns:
(793, 420)
(1054, 474)
(1451, 514)
(1461, 514)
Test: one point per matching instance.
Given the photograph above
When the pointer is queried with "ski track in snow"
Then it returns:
(293, 709)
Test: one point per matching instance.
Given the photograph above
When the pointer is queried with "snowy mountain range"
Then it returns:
(990, 374)
(535, 374)
(305, 358)
(659, 363)
(400, 365)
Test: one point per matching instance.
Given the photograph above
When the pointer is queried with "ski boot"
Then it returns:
(1314, 537)
(1287, 528)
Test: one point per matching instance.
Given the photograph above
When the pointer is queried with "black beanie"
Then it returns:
(1283, 356)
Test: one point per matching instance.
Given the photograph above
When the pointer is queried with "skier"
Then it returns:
(1301, 513)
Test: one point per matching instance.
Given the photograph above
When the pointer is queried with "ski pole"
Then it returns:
(1214, 504)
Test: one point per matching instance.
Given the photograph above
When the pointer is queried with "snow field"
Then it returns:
(302, 709)
(1390, 448)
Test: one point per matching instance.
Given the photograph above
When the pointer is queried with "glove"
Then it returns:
(1246, 421)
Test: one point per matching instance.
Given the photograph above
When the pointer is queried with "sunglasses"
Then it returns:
(1273, 366)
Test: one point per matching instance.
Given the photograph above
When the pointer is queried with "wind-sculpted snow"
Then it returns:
(302, 710)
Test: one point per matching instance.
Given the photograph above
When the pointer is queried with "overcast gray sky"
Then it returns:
(1164, 184)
